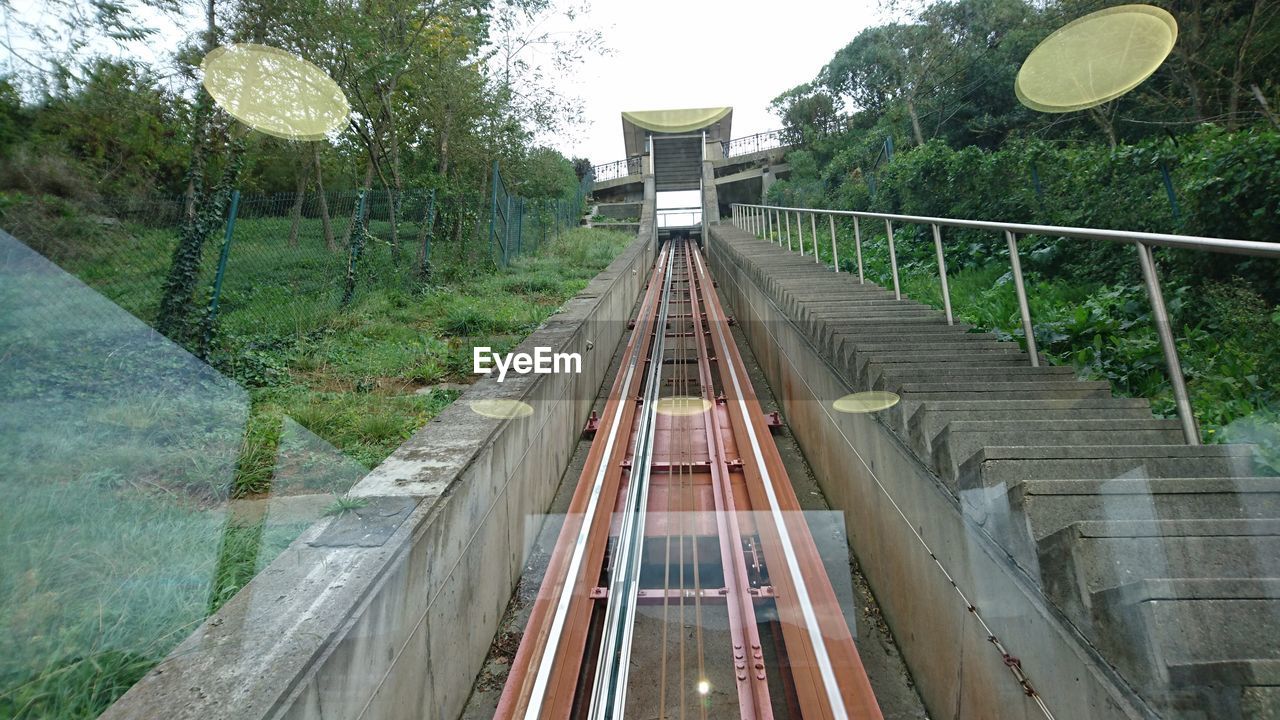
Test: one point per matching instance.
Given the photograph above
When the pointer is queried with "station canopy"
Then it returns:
(717, 121)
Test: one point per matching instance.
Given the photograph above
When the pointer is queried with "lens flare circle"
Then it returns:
(274, 91)
(865, 402)
(682, 406)
(501, 409)
(1096, 58)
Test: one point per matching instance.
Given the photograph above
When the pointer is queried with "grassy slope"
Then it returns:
(126, 543)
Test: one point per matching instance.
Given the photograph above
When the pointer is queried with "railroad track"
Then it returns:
(685, 582)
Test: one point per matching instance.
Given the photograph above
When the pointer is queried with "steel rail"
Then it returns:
(526, 700)
(753, 687)
(851, 690)
(575, 659)
(610, 690)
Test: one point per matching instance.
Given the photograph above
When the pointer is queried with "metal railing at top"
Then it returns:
(617, 168)
(767, 140)
(769, 220)
(738, 146)
(679, 217)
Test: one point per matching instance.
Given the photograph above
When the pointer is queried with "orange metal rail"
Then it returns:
(683, 484)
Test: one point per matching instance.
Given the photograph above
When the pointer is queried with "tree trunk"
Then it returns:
(1266, 108)
(915, 121)
(1237, 72)
(295, 212)
(1100, 117)
(443, 167)
(324, 201)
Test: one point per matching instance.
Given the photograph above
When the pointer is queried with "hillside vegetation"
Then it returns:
(919, 117)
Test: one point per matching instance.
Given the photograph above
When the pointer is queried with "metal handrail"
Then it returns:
(768, 220)
(767, 140)
(758, 142)
(617, 168)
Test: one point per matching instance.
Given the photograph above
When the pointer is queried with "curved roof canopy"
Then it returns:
(638, 123)
(1096, 58)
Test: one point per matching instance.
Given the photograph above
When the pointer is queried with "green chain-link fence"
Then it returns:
(287, 263)
(518, 225)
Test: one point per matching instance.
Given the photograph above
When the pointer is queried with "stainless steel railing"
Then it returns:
(769, 220)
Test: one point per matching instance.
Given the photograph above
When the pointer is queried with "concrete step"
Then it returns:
(1208, 642)
(860, 358)
(897, 376)
(1035, 509)
(913, 394)
(960, 439)
(998, 468)
(1013, 362)
(860, 305)
(930, 418)
(1086, 558)
(848, 341)
(855, 308)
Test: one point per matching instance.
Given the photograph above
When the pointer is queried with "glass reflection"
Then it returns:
(121, 525)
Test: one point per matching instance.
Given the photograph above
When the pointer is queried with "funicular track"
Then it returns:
(685, 582)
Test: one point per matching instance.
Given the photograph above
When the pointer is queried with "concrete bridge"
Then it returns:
(742, 168)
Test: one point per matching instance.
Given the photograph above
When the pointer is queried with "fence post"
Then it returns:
(1168, 189)
(506, 229)
(356, 245)
(212, 314)
(493, 212)
(429, 222)
(519, 226)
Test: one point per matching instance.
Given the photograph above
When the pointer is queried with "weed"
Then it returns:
(343, 504)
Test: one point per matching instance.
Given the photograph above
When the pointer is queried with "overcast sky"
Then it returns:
(694, 53)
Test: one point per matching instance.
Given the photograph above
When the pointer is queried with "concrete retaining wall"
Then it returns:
(868, 473)
(388, 612)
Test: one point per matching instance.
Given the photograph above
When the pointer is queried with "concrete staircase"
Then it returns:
(677, 164)
(1165, 557)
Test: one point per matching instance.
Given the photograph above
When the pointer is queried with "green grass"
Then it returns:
(125, 457)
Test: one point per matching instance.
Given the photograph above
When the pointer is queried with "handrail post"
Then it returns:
(857, 247)
(787, 216)
(1021, 291)
(835, 254)
(1161, 316)
(755, 218)
(813, 227)
(768, 226)
(893, 260)
(800, 233)
(942, 273)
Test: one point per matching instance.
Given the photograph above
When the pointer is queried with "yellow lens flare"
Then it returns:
(501, 409)
(1096, 58)
(704, 687)
(865, 402)
(274, 92)
(682, 406)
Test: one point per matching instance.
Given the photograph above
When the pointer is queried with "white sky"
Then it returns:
(694, 53)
